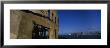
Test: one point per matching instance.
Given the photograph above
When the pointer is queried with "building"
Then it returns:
(33, 24)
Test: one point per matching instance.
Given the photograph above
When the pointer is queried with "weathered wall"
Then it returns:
(15, 18)
(54, 18)
(23, 24)
(25, 28)
(43, 12)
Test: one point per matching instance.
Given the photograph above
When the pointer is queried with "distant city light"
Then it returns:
(69, 34)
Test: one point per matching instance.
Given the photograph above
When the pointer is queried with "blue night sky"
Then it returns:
(79, 21)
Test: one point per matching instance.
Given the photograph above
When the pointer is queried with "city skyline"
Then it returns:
(79, 21)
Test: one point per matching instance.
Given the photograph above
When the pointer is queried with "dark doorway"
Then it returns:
(39, 31)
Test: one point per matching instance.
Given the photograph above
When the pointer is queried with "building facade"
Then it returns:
(33, 24)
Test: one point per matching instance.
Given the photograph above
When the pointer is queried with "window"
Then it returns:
(55, 33)
(48, 12)
(55, 19)
(52, 14)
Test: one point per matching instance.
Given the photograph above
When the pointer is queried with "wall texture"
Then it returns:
(21, 23)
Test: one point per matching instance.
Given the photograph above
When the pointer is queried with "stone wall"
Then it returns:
(15, 18)
(22, 24)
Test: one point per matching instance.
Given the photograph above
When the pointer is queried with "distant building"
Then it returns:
(36, 24)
